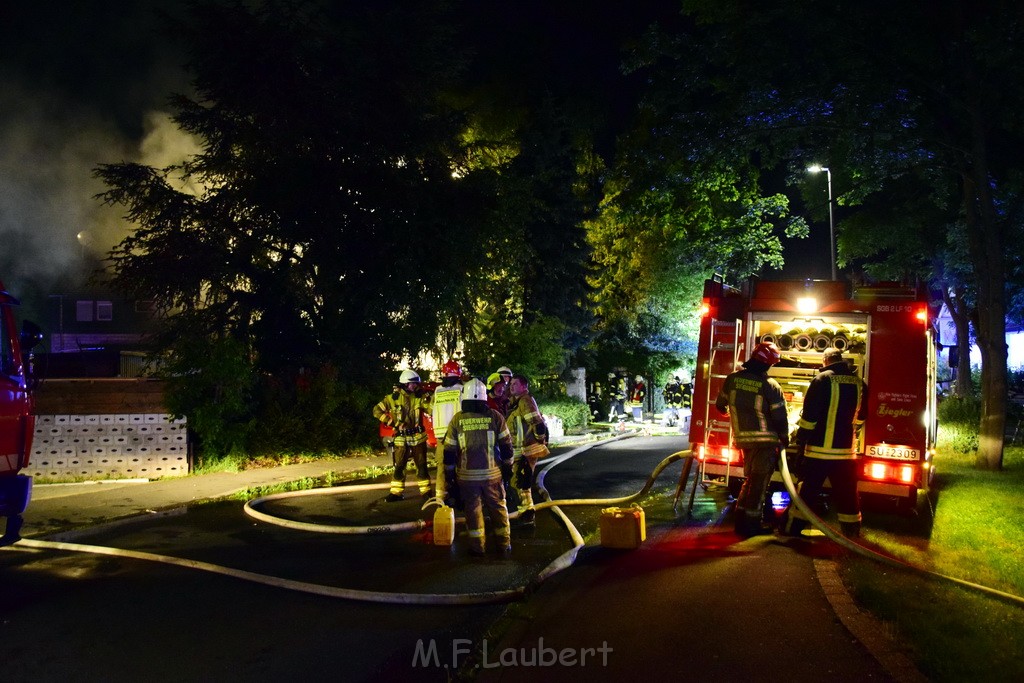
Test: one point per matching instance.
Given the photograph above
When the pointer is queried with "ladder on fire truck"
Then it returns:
(724, 340)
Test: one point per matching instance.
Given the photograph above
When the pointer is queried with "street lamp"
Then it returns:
(831, 223)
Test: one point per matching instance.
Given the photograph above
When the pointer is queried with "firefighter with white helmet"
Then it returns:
(616, 396)
(529, 443)
(760, 427)
(637, 397)
(447, 399)
(477, 446)
(403, 410)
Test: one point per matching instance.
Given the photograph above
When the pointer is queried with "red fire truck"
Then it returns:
(17, 422)
(885, 332)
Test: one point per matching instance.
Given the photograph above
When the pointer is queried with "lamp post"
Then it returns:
(831, 223)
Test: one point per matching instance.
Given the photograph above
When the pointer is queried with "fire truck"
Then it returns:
(17, 423)
(884, 331)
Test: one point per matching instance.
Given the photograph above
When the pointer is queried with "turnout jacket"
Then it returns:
(834, 408)
(404, 412)
(756, 407)
(471, 442)
(447, 400)
(529, 432)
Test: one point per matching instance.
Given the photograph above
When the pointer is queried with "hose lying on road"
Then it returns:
(871, 554)
(488, 597)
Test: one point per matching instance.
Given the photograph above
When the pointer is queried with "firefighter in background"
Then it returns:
(835, 407)
(497, 394)
(616, 397)
(529, 443)
(673, 395)
(446, 402)
(757, 410)
(594, 398)
(403, 410)
(477, 448)
(506, 375)
(637, 397)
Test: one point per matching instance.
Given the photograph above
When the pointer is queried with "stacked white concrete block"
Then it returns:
(108, 446)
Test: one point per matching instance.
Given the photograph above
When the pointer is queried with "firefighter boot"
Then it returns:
(527, 515)
(850, 529)
(790, 525)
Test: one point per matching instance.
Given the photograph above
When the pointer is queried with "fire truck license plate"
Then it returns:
(892, 452)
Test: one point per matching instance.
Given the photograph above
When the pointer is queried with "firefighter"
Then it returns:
(673, 395)
(616, 397)
(835, 407)
(637, 397)
(477, 448)
(403, 409)
(529, 443)
(757, 410)
(445, 404)
(506, 374)
(497, 394)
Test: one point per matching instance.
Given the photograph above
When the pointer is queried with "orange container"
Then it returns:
(623, 528)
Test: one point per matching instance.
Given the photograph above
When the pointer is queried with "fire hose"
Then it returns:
(838, 538)
(488, 597)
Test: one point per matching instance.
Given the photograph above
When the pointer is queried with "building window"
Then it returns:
(83, 311)
(104, 311)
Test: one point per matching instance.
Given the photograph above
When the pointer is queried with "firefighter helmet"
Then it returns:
(493, 379)
(451, 369)
(766, 353)
(474, 390)
(504, 371)
(639, 378)
(408, 376)
(611, 375)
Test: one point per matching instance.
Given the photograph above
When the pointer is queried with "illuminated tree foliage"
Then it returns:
(880, 89)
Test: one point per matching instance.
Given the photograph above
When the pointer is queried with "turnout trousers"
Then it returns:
(476, 495)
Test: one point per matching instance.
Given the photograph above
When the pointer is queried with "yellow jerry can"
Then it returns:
(623, 528)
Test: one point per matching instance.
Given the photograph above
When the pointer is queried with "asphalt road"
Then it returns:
(673, 608)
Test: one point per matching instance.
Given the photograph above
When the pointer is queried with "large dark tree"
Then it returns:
(323, 218)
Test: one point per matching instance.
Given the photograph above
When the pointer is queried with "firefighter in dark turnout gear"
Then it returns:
(757, 410)
(835, 407)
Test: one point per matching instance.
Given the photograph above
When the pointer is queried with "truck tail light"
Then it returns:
(881, 471)
(875, 470)
(700, 452)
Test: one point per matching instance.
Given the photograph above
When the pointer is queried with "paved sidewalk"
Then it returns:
(59, 507)
(62, 507)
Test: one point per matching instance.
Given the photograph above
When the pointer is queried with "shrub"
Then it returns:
(574, 412)
(961, 411)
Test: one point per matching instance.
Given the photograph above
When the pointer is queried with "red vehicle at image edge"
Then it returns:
(884, 332)
(17, 422)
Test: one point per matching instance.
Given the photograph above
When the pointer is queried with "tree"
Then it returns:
(886, 87)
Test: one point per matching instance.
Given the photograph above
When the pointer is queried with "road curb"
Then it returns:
(868, 630)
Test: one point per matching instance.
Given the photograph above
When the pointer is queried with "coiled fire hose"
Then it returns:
(838, 538)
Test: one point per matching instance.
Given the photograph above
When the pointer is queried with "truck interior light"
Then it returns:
(907, 474)
(806, 304)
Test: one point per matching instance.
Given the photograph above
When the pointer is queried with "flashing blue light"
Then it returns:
(780, 500)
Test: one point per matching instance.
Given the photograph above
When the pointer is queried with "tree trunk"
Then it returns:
(987, 254)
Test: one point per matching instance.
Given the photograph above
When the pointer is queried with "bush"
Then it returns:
(960, 411)
(574, 412)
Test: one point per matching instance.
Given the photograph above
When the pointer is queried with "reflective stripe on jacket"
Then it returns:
(834, 408)
(404, 412)
(757, 408)
(471, 443)
(523, 419)
(447, 401)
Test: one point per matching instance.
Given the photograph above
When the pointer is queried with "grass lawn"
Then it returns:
(955, 633)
